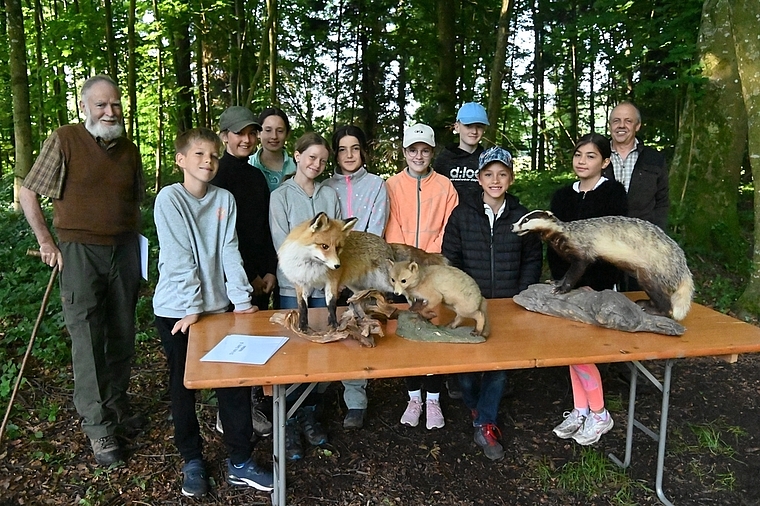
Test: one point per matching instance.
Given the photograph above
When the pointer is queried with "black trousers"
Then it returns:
(234, 404)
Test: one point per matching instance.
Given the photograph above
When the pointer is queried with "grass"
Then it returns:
(590, 474)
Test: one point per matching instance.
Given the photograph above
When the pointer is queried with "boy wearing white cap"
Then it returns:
(459, 162)
(421, 201)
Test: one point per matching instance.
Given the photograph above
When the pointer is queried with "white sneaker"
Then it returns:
(570, 425)
(433, 415)
(593, 428)
(411, 416)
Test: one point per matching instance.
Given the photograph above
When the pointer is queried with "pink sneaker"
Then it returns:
(433, 415)
(411, 416)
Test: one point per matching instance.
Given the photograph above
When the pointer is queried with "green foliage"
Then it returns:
(590, 475)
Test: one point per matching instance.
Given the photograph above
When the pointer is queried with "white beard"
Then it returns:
(99, 130)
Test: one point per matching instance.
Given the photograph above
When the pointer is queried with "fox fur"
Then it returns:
(431, 285)
(634, 246)
(324, 252)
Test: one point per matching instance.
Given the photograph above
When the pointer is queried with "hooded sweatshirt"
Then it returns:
(363, 196)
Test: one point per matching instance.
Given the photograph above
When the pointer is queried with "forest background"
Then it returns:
(548, 71)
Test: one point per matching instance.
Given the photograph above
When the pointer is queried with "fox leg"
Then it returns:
(331, 295)
(303, 308)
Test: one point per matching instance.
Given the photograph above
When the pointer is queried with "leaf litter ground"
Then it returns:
(49, 461)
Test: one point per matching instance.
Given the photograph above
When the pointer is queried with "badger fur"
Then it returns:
(634, 246)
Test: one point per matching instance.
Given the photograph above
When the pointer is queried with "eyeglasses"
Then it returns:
(414, 152)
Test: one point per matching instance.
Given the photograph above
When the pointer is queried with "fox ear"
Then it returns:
(413, 267)
(391, 263)
(349, 224)
(319, 222)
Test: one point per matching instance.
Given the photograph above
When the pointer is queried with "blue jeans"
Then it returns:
(314, 397)
(288, 302)
(482, 391)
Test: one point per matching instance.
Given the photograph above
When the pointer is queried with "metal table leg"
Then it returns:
(278, 442)
(661, 436)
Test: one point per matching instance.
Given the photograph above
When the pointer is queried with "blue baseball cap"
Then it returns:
(472, 112)
(495, 154)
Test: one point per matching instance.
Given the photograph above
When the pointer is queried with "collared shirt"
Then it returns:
(48, 173)
(491, 216)
(624, 167)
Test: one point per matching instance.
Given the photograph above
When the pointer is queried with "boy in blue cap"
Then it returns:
(479, 240)
(459, 162)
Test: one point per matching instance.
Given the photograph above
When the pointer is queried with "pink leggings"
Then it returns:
(587, 387)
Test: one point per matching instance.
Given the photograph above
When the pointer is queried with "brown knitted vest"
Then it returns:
(100, 202)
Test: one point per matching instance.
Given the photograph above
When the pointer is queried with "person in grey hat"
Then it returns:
(479, 240)
(239, 131)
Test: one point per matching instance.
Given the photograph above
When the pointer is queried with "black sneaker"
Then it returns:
(452, 387)
(195, 479)
(293, 448)
(354, 419)
(250, 475)
(106, 450)
(310, 427)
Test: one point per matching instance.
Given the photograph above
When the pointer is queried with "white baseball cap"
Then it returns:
(419, 133)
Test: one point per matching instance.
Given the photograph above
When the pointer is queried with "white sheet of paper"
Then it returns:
(143, 241)
(242, 349)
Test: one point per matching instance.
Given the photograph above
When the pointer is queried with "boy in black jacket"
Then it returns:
(479, 240)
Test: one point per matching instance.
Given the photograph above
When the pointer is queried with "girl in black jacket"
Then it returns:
(591, 196)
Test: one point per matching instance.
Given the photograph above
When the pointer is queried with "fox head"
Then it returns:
(403, 275)
(324, 238)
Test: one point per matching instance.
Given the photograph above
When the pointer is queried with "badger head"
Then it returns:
(536, 221)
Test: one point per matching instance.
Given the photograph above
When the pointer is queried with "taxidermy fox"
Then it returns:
(324, 252)
(431, 285)
(634, 246)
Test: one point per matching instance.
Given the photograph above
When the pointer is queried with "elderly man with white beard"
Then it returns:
(93, 175)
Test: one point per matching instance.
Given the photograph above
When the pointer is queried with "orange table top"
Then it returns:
(519, 339)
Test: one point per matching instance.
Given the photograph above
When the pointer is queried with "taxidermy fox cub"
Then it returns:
(435, 284)
(323, 252)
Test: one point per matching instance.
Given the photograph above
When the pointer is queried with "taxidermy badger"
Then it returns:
(634, 246)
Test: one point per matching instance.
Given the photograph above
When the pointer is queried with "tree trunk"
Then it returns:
(371, 88)
(22, 125)
(182, 60)
(264, 54)
(272, 9)
(497, 73)
(446, 90)
(132, 74)
(745, 16)
(160, 112)
(113, 69)
(705, 171)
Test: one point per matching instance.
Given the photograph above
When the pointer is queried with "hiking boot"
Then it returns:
(195, 479)
(310, 427)
(411, 416)
(570, 425)
(487, 437)
(261, 425)
(250, 475)
(433, 415)
(293, 448)
(452, 387)
(593, 428)
(106, 450)
(354, 419)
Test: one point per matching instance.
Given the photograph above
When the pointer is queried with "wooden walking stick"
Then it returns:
(45, 299)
